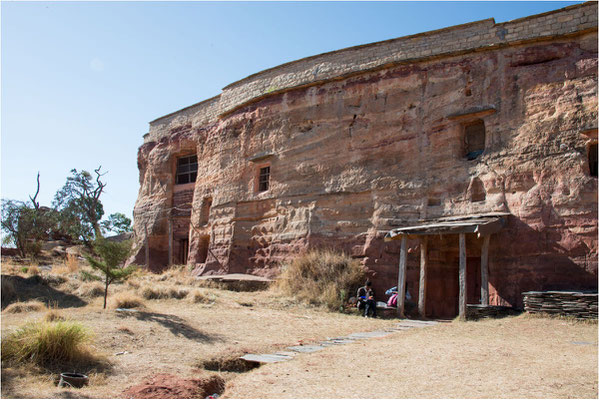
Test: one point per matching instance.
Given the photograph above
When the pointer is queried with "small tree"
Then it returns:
(109, 261)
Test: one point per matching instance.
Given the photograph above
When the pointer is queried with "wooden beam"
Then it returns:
(422, 285)
(462, 277)
(147, 247)
(401, 279)
(170, 241)
(484, 271)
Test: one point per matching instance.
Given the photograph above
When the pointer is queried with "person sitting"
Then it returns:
(392, 302)
(366, 300)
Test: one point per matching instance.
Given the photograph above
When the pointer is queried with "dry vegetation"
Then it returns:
(187, 327)
(321, 277)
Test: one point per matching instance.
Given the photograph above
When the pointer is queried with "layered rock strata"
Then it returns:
(367, 139)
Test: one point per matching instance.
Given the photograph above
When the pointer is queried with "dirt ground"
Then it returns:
(505, 358)
(515, 357)
(175, 336)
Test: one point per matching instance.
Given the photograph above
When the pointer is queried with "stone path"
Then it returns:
(280, 356)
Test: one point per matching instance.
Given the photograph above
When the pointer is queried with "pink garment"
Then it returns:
(392, 302)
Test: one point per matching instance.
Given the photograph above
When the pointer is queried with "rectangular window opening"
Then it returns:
(474, 139)
(264, 179)
(187, 170)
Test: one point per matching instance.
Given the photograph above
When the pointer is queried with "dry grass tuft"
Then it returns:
(200, 296)
(163, 292)
(33, 270)
(53, 315)
(321, 277)
(54, 279)
(46, 342)
(72, 263)
(126, 330)
(126, 299)
(91, 290)
(24, 307)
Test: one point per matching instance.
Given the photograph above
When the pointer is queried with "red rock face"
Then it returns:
(351, 159)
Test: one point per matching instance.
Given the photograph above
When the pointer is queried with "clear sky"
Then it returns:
(81, 80)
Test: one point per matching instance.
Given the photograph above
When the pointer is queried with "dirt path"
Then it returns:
(515, 357)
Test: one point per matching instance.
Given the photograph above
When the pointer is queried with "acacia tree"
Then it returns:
(109, 260)
(79, 205)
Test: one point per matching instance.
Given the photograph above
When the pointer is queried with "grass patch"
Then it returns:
(46, 342)
(126, 300)
(24, 307)
(321, 277)
(34, 270)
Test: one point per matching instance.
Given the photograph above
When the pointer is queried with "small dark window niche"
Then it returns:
(187, 170)
(474, 139)
(592, 156)
(205, 210)
(264, 179)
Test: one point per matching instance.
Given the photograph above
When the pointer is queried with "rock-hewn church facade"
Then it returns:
(487, 122)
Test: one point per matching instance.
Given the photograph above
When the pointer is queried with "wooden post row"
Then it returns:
(401, 280)
(422, 284)
(462, 277)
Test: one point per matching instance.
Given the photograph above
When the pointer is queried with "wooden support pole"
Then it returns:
(401, 280)
(422, 284)
(147, 247)
(484, 271)
(462, 277)
(170, 241)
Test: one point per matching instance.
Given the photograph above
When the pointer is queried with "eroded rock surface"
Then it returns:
(353, 157)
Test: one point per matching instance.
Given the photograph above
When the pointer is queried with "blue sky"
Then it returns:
(81, 80)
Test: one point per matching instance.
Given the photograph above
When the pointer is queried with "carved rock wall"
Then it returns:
(355, 157)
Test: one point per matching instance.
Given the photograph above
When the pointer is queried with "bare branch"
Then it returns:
(36, 205)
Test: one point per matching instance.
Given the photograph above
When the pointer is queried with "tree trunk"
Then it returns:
(106, 292)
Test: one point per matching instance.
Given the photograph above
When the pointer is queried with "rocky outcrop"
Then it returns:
(362, 152)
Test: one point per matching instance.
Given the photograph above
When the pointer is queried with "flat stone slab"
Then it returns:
(234, 278)
(368, 335)
(306, 349)
(265, 358)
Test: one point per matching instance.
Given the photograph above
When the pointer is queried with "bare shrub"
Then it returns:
(24, 307)
(321, 277)
(126, 299)
(91, 290)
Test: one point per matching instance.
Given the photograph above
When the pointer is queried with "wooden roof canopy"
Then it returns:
(481, 224)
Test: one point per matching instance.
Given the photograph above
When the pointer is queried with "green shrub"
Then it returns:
(321, 277)
(46, 342)
(24, 269)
